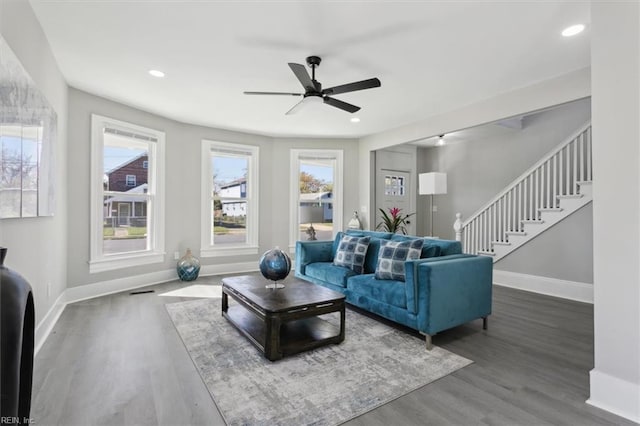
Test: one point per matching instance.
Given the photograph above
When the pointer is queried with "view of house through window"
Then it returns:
(125, 194)
(229, 197)
(315, 198)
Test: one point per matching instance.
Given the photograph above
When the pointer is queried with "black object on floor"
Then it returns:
(142, 292)
(17, 316)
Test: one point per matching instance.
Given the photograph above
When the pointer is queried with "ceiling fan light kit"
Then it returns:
(313, 88)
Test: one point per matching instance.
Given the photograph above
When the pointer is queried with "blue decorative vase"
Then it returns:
(275, 265)
(188, 267)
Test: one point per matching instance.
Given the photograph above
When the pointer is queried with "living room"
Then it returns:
(54, 253)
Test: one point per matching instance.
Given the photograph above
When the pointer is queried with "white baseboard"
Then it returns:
(573, 290)
(45, 326)
(229, 268)
(615, 395)
(103, 288)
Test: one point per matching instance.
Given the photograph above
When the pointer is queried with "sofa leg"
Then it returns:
(427, 338)
(485, 322)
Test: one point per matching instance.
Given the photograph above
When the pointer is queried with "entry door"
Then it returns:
(124, 214)
(392, 190)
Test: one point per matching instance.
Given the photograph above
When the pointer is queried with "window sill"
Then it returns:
(228, 251)
(125, 261)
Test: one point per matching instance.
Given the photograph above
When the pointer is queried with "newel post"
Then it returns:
(457, 227)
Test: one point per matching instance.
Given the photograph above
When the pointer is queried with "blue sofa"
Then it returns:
(442, 289)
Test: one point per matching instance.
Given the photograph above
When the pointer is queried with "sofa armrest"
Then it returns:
(450, 290)
(312, 251)
(411, 277)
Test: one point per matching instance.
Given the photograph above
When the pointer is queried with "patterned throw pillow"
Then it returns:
(351, 253)
(392, 256)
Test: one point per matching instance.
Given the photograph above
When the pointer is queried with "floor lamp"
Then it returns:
(431, 184)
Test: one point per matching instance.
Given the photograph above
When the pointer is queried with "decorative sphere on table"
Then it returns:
(275, 265)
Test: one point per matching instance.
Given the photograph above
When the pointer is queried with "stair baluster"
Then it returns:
(546, 193)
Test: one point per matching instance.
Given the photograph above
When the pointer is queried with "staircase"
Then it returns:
(555, 187)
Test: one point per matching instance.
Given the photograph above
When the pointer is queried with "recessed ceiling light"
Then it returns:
(156, 73)
(573, 30)
(355, 120)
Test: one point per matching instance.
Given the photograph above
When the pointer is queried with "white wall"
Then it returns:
(563, 252)
(615, 61)
(38, 246)
(183, 150)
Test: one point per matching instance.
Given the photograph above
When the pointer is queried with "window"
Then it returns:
(229, 199)
(20, 154)
(127, 203)
(145, 164)
(28, 132)
(316, 194)
(394, 185)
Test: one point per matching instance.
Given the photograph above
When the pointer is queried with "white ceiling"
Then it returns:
(431, 56)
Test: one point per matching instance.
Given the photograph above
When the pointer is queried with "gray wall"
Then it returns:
(479, 168)
(564, 252)
(182, 217)
(38, 246)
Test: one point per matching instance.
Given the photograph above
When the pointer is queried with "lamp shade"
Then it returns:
(432, 183)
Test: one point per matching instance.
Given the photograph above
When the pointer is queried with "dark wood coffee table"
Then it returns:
(282, 322)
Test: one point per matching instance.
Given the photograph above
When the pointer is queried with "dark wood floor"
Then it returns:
(117, 360)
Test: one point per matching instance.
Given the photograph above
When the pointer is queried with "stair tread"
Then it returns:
(550, 209)
(516, 233)
(539, 221)
(486, 253)
(501, 243)
(569, 196)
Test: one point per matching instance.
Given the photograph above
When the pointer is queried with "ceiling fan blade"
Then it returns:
(297, 107)
(273, 93)
(342, 105)
(303, 76)
(352, 87)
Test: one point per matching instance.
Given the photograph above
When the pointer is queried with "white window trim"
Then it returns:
(294, 189)
(252, 246)
(155, 252)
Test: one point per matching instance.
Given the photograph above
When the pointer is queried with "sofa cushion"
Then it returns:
(392, 256)
(390, 292)
(372, 234)
(371, 260)
(447, 247)
(328, 272)
(429, 248)
(351, 253)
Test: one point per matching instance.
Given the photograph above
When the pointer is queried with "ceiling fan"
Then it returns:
(313, 91)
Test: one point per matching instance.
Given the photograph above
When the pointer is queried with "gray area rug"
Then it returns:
(327, 386)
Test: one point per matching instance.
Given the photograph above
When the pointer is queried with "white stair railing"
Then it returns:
(557, 174)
